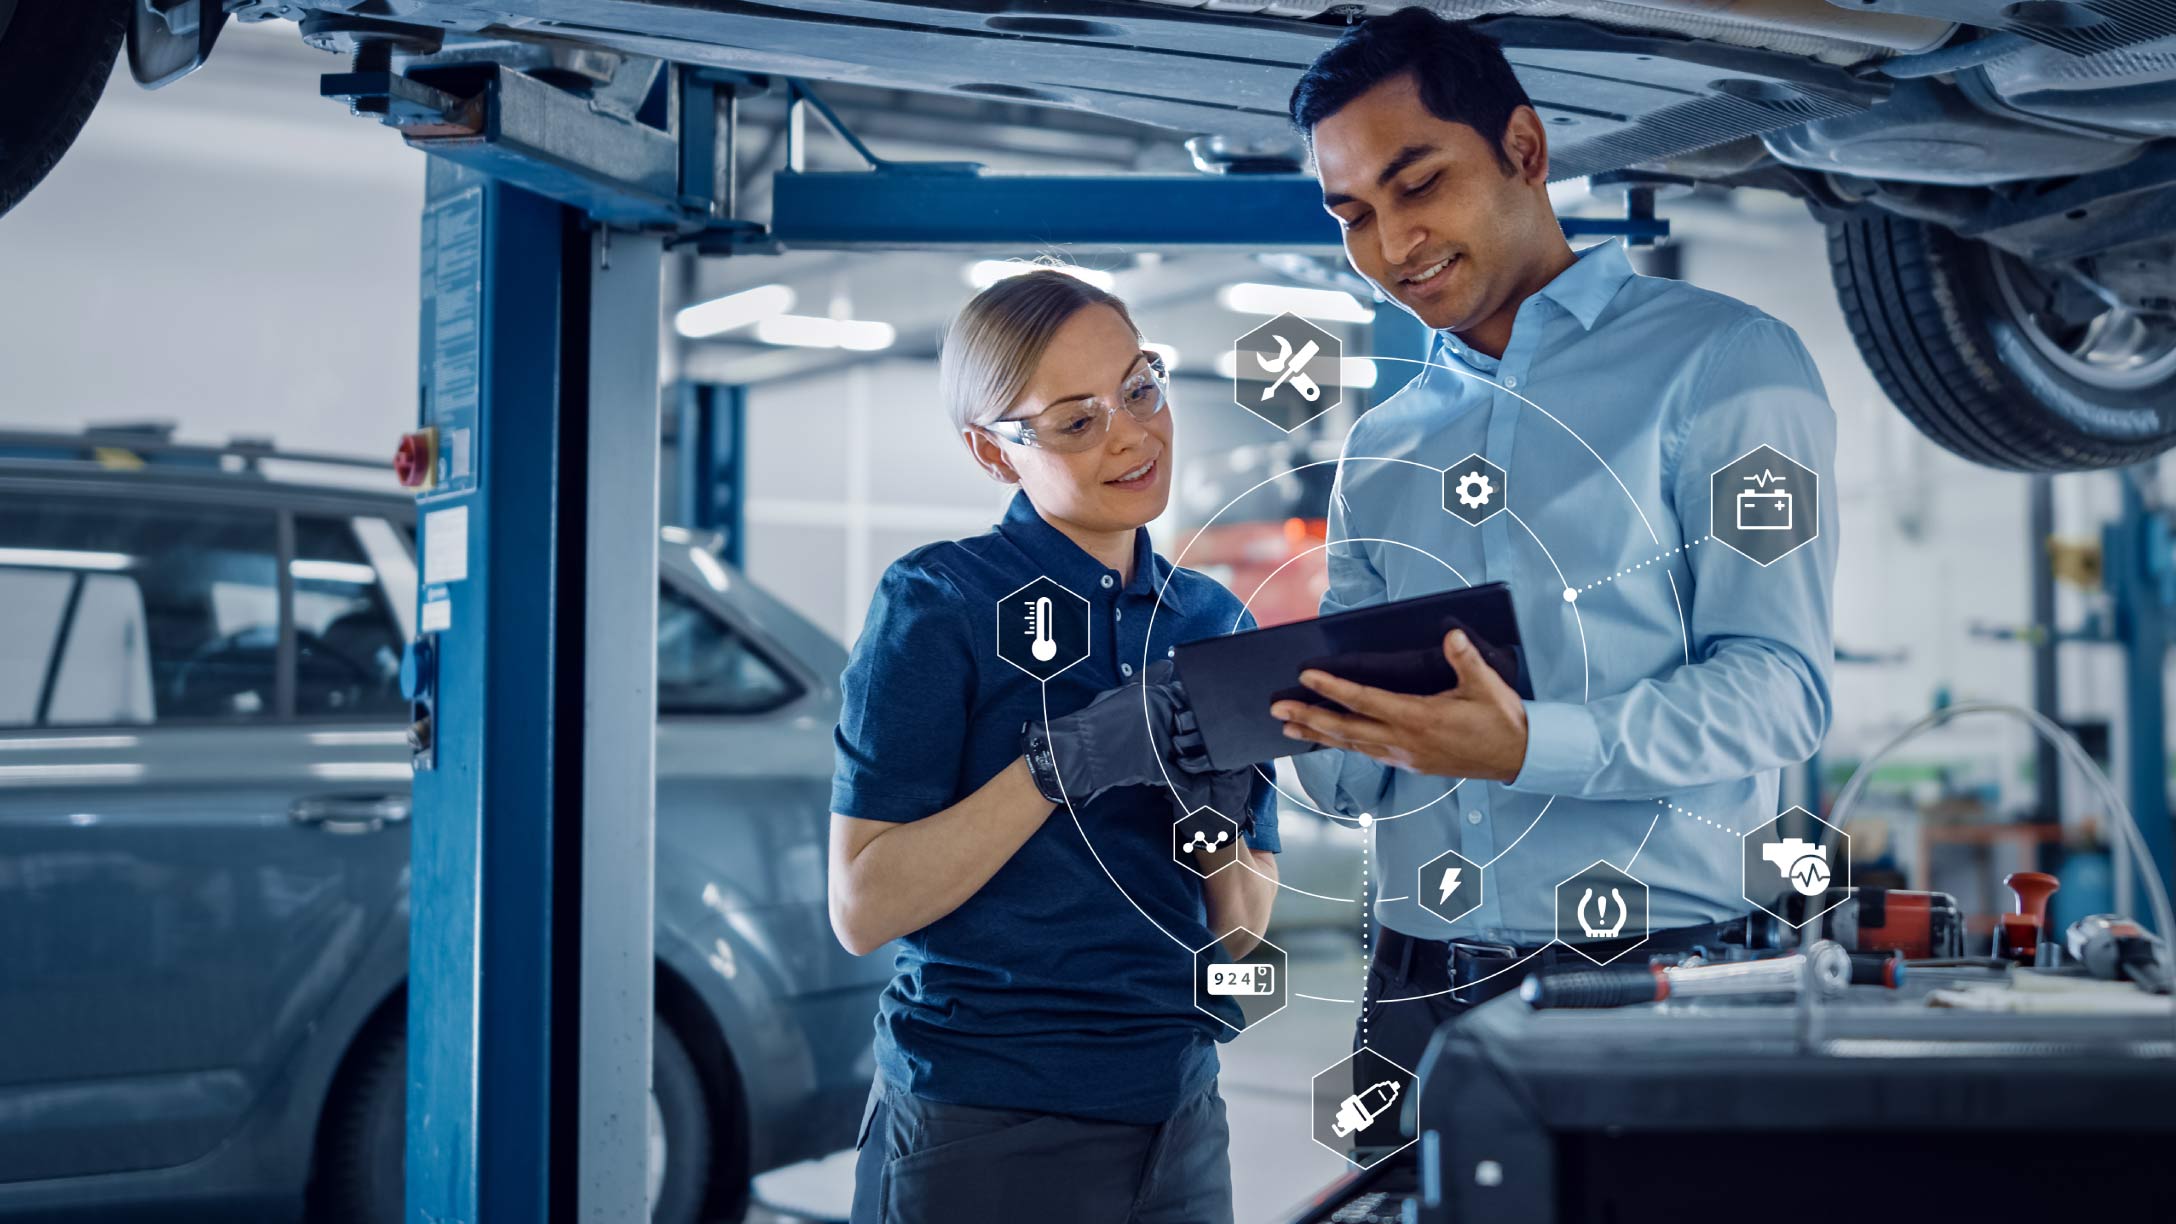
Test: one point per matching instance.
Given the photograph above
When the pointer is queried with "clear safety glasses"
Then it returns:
(1081, 425)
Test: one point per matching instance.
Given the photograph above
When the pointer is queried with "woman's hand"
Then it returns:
(1127, 736)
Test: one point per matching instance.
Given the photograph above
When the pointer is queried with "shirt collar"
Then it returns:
(1071, 566)
(1583, 289)
(1593, 279)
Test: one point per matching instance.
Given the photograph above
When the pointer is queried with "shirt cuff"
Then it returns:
(1563, 749)
(1343, 782)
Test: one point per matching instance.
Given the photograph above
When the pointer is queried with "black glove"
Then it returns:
(1111, 743)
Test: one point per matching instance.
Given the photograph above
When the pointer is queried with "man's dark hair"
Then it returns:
(1462, 74)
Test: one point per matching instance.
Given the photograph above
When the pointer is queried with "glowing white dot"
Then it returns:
(1367, 819)
(1570, 595)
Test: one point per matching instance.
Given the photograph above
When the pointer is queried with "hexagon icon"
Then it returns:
(1252, 987)
(1450, 886)
(1475, 489)
(1796, 867)
(1764, 505)
(1288, 371)
(1205, 841)
(1042, 628)
(1357, 1106)
(1598, 909)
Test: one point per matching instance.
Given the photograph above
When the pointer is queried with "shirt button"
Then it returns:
(1109, 582)
(1125, 669)
(1118, 614)
(1171, 652)
(1510, 382)
(1473, 816)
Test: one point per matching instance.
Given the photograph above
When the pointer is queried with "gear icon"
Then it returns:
(1480, 490)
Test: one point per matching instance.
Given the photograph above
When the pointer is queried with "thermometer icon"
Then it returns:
(1046, 647)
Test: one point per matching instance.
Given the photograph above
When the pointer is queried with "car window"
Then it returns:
(134, 612)
(705, 667)
(347, 642)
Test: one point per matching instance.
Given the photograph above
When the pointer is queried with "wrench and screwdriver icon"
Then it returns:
(1287, 365)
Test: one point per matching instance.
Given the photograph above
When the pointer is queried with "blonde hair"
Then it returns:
(998, 338)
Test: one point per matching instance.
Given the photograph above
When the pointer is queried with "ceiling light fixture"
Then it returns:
(720, 315)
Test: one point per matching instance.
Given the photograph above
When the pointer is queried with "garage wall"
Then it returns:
(232, 253)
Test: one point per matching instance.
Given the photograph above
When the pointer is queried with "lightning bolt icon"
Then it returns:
(1450, 884)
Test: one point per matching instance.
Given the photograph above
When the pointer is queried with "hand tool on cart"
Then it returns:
(2115, 948)
(1824, 967)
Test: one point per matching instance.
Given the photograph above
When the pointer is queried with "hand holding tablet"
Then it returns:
(1361, 670)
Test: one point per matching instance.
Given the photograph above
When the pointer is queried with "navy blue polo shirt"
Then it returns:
(1048, 990)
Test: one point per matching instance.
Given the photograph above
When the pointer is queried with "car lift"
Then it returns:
(548, 207)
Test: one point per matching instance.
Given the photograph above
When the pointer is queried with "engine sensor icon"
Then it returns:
(1803, 863)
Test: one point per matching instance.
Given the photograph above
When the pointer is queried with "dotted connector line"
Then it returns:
(1365, 952)
(1696, 816)
(1633, 569)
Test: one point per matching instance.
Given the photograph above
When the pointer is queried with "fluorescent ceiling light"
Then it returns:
(984, 273)
(1165, 351)
(720, 315)
(65, 558)
(1321, 305)
(351, 572)
(815, 331)
(1356, 372)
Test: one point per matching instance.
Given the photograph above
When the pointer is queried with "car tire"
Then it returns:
(1942, 322)
(55, 58)
(676, 1090)
(359, 1176)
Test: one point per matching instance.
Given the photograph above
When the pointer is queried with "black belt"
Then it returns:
(1479, 970)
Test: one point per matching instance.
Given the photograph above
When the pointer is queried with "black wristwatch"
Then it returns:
(1042, 764)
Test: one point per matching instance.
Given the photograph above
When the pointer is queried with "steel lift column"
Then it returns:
(529, 998)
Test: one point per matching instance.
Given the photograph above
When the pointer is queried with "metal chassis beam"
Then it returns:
(676, 179)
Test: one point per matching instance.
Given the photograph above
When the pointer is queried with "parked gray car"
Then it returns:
(204, 853)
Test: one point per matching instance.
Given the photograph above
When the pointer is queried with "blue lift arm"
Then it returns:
(629, 173)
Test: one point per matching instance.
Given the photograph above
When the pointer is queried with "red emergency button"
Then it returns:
(415, 460)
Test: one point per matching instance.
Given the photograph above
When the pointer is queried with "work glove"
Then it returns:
(1110, 743)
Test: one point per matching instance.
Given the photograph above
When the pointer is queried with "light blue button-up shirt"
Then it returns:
(1669, 696)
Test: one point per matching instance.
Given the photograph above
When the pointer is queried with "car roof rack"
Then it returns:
(134, 444)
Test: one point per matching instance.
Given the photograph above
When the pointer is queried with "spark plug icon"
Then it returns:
(1359, 1111)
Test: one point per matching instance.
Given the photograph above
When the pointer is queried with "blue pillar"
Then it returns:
(482, 1014)
(2141, 565)
(712, 439)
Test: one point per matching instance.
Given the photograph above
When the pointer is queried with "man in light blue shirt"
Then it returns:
(1674, 677)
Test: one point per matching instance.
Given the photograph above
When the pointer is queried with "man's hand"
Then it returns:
(1477, 730)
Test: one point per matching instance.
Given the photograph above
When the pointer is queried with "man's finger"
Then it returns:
(1331, 722)
(1475, 676)
(1300, 732)
(1360, 698)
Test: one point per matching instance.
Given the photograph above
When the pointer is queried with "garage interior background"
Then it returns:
(238, 257)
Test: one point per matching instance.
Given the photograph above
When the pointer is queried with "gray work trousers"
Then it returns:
(923, 1162)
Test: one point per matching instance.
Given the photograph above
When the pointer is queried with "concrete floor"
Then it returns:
(1275, 1164)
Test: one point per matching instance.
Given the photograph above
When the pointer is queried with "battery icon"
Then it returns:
(1242, 979)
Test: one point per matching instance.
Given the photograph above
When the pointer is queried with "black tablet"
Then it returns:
(1231, 681)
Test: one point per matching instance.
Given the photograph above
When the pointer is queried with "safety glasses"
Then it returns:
(1082, 425)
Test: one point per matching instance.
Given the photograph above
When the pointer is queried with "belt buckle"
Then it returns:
(1484, 947)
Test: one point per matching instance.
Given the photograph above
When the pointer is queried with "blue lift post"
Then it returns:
(2140, 554)
(711, 438)
(530, 961)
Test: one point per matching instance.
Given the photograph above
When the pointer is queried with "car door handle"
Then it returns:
(349, 813)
